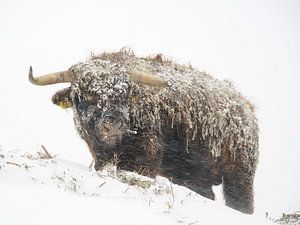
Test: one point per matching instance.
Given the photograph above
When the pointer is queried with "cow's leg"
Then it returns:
(238, 191)
(149, 159)
(203, 188)
(206, 191)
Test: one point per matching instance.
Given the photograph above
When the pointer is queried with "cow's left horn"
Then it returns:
(51, 78)
(147, 79)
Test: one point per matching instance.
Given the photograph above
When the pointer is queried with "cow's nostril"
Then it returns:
(105, 128)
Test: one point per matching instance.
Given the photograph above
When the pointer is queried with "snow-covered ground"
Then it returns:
(36, 189)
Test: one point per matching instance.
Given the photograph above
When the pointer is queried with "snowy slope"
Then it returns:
(37, 190)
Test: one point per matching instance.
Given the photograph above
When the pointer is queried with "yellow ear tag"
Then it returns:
(133, 98)
(64, 105)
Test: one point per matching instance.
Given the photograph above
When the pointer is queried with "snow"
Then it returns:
(253, 43)
(57, 191)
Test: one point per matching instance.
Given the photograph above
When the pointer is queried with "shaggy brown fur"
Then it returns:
(199, 131)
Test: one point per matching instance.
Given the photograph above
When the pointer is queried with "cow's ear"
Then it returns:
(62, 98)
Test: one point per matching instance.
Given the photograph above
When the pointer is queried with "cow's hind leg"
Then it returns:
(238, 191)
(206, 191)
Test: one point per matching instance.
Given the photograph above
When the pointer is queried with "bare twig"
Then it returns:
(102, 184)
(126, 190)
(91, 165)
(48, 156)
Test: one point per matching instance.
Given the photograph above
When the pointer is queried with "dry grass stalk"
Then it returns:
(170, 204)
(15, 164)
(42, 153)
(92, 164)
(133, 180)
(289, 219)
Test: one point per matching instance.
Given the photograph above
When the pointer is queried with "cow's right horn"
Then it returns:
(51, 78)
(147, 79)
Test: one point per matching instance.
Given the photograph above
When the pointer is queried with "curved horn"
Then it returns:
(147, 79)
(51, 78)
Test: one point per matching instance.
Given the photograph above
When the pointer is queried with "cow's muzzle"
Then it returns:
(111, 127)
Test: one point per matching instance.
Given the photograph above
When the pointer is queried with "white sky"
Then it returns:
(254, 43)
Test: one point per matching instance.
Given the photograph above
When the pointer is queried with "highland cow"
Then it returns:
(163, 118)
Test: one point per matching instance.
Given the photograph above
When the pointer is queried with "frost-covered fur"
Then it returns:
(208, 107)
(207, 115)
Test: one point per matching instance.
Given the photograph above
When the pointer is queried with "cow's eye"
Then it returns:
(91, 99)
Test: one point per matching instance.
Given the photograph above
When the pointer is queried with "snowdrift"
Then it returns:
(41, 189)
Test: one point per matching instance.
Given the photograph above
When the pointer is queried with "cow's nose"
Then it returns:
(109, 123)
(111, 127)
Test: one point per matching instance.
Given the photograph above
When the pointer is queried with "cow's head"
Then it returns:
(99, 98)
